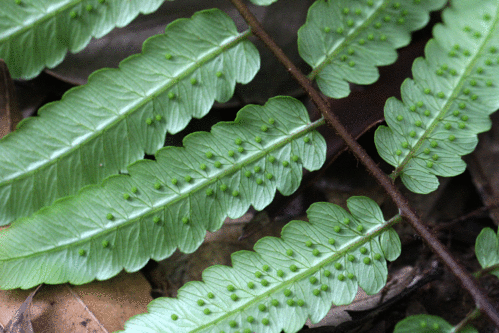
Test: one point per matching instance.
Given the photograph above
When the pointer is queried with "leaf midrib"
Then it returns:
(348, 40)
(456, 92)
(161, 204)
(17, 176)
(40, 19)
(349, 246)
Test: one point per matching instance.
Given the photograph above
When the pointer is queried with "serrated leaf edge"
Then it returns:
(151, 209)
(353, 244)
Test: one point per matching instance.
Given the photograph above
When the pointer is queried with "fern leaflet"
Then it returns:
(50, 28)
(487, 250)
(167, 203)
(263, 2)
(314, 264)
(343, 41)
(428, 324)
(454, 91)
(98, 129)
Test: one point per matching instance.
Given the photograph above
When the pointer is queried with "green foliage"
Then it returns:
(428, 324)
(487, 250)
(263, 2)
(345, 40)
(52, 27)
(454, 91)
(286, 280)
(98, 129)
(237, 307)
(167, 203)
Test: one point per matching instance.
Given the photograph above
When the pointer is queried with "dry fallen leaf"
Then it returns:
(21, 321)
(10, 114)
(97, 307)
(339, 314)
(257, 223)
(172, 273)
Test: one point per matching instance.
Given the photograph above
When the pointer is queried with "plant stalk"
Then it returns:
(471, 316)
(481, 300)
(485, 271)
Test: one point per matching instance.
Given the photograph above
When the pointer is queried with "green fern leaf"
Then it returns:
(487, 249)
(263, 2)
(167, 203)
(98, 129)
(343, 41)
(428, 324)
(35, 34)
(314, 264)
(454, 91)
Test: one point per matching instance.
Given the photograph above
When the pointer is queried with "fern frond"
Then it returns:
(428, 324)
(314, 264)
(38, 33)
(455, 89)
(343, 41)
(98, 129)
(167, 203)
(487, 250)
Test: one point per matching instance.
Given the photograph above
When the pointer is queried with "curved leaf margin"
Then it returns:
(263, 2)
(344, 41)
(455, 89)
(424, 323)
(312, 266)
(38, 33)
(96, 130)
(487, 250)
(167, 203)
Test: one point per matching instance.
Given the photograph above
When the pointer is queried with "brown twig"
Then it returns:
(484, 271)
(470, 317)
(476, 212)
(481, 300)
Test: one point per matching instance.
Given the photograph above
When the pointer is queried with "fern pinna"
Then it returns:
(429, 324)
(227, 301)
(177, 76)
(487, 253)
(164, 204)
(170, 203)
(52, 27)
(209, 72)
(454, 90)
(286, 280)
(343, 41)
(96, 130)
